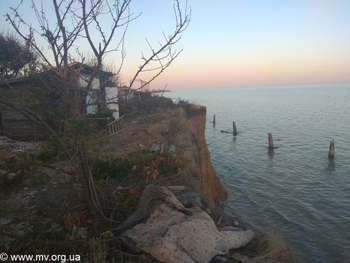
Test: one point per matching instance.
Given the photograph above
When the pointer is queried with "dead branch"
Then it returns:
(164, 55)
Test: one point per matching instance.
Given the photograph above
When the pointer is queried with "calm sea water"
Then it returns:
(295, 187)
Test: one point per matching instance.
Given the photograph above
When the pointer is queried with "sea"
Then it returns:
(295, 187)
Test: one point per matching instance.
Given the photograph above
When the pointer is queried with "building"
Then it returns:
(42, 90)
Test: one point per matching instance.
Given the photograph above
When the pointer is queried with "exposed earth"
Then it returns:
(42, 205)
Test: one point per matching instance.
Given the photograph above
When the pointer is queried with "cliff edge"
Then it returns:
(200, 172)
(183, 127)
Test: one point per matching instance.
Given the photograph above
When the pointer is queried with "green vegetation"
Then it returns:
(58, 220)
(15, 57)
(61, 199)
(108, 167)
(14, 169)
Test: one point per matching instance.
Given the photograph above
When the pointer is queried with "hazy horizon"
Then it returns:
(240, 43)
(296, 85)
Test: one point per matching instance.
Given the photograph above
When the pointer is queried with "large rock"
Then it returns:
(172, 233)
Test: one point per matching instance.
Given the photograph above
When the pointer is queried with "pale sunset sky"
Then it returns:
(236, 43)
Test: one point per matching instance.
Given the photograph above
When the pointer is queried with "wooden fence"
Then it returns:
(115, 126)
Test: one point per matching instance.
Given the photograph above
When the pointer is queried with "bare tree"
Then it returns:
(76, 21)
(162, 57)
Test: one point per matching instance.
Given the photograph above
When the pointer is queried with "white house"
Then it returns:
(101, 93)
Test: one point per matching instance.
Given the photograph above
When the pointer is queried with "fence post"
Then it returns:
(331, 149)
(234, 128)
(271, 145)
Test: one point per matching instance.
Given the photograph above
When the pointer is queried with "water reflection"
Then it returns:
(331, 165)
(271, 153)
(234, 142)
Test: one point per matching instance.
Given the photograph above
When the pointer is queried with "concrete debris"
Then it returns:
(16, 146)
(162, 148)
(155, 148)
(177, 188)
(172, 148)
(189, 199)
(172, 233)
(5, 221)
(9, 176)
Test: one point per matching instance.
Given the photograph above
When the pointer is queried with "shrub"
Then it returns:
(111, 167)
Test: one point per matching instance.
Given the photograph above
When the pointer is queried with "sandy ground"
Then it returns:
(138, 134)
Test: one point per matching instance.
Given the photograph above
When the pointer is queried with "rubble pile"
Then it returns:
(6, 144)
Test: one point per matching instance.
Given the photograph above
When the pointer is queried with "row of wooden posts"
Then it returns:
(271, 144)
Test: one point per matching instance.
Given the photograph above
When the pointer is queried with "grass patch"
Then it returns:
(269, 247)
(111, 167)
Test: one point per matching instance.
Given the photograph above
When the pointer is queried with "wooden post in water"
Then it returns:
(214, 119)
(331, 149)
(271, 146)
(234, 128)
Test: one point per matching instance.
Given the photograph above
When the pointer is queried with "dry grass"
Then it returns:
(270, 248)
(163, 126)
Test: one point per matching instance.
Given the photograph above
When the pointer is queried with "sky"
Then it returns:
(237, 43)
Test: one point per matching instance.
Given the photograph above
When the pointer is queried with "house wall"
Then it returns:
(13, 124)
(16, 126)
(112, 100)
(123, 94)
(90, 98)
(84, 78)
(92, 95)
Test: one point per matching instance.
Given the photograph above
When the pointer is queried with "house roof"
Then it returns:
(84, 67)
(12, 81)
(76, 65)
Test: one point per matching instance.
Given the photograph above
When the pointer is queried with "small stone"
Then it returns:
(11, 176)
(25, 188)
(236, 223)
(21, 233)
(33, 193)
(5, 221)
(19, 226)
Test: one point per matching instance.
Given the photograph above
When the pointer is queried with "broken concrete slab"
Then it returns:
(173, 233)
(162, 148)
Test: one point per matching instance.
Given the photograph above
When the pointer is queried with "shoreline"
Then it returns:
(182, 126)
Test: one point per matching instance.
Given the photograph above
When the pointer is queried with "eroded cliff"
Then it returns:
(183, 127)
(199, 172)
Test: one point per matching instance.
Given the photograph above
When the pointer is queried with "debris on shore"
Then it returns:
(172, 233)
